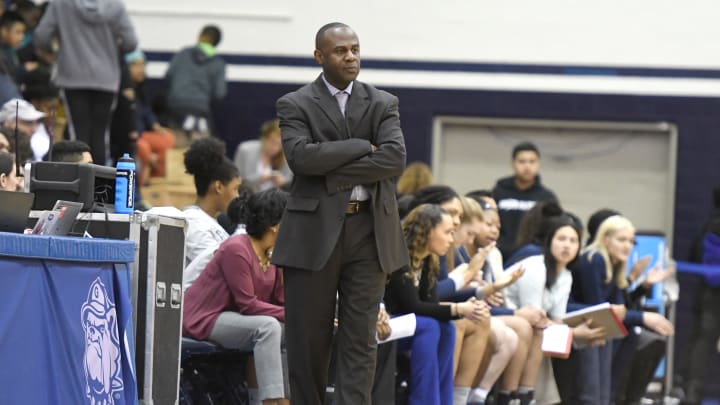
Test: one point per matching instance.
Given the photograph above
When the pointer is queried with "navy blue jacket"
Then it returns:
(589, 287)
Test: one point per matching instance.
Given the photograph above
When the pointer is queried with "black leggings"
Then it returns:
(88, 113)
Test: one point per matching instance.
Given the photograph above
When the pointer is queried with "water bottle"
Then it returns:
(125, 185)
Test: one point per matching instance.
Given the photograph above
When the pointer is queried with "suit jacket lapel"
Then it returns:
(356, 106)
(329, 105)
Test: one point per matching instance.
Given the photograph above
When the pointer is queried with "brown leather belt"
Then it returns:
(354, 207)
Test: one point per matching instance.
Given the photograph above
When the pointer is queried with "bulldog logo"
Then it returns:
(102, 347)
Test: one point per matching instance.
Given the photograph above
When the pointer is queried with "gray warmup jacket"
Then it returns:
(92, 35)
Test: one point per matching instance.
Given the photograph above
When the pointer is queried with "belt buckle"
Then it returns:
(353, 207)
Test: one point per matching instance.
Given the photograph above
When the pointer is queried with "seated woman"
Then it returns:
(482, 367)
(238, 300)
(519, 377)
(599, 276)
(429, 231)
(262, 162)
(547, 281)
(216, 183)
(532, 230)
(637, 355)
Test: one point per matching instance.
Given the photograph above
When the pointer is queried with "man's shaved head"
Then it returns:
(325, 28)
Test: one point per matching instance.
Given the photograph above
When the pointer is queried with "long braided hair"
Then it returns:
(417, 226)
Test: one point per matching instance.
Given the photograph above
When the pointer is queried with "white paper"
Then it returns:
(555, 339)
(401, 327)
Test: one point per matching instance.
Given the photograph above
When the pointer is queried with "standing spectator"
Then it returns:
(518, 193)
(123, 133)
(196, 80)
(262, 162)
(88, 65)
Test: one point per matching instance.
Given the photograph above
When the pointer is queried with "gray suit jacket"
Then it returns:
(329, 155)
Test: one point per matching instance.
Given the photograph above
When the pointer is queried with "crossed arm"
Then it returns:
(349, 161)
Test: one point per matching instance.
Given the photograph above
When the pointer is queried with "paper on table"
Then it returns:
(557, 341)
(401, 327)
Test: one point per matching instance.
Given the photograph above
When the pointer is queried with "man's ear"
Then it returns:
(318, 57)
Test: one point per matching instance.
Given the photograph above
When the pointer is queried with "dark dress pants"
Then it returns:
(352, 273)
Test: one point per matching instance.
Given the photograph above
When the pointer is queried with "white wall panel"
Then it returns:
(649, 33)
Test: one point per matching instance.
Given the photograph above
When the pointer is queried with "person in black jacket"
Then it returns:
(516, 194)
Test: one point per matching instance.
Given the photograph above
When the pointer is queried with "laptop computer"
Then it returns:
(59, 220)
(14, 210)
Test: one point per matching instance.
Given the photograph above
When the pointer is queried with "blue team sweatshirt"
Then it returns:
(589, 287)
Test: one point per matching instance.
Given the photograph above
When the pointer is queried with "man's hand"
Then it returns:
(373, 148)
(383, 325)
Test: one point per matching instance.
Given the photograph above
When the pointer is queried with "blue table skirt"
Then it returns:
(66, 333)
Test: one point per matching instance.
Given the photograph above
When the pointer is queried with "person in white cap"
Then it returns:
(28, 119)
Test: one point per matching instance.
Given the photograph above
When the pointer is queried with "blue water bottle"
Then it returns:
(125, 185)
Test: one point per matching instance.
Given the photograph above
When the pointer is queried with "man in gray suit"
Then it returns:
(340, 235)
